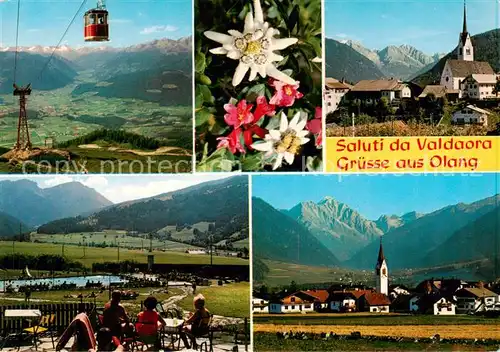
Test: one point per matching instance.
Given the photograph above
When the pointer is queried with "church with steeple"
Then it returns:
(382, 272)
(463, 66)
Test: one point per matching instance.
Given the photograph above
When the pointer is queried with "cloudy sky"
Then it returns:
(123, 188)
(43, 22)
(429, 25)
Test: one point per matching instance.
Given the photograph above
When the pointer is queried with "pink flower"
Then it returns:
(263, 108)
(315, 126)
(232, 142)
(238, 115)
(285, 94)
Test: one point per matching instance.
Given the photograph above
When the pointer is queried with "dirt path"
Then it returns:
(420, 331)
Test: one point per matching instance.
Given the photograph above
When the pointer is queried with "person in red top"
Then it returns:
(149, 321)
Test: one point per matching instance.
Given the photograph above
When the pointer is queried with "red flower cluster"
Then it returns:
(285, 94)
(244, 122)
(315, 126)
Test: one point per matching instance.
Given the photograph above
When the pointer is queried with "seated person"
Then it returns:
(115, 316)
(198, 323)
(149, 321)
(107, 342)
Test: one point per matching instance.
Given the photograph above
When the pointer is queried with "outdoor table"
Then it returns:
(172, 328)
(21, 314)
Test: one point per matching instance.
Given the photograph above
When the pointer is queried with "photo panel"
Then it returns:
(436, 82)
(171, 251)
(90, 87)
(376, 262)
(258, 85)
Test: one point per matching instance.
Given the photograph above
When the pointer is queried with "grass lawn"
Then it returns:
(132, 306)
(372, 319)
(99, 255)
(269, 342)
(231, 300)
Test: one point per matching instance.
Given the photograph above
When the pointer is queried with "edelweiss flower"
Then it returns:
(253, 48)
(285, 142)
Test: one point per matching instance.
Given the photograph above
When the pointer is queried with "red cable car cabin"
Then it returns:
(96, 25)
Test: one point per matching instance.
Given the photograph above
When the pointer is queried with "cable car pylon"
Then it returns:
(23, 135)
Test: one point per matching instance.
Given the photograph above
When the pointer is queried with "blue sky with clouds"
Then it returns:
(375, 195)
(43, 22)
(118, 188)
(429, 25)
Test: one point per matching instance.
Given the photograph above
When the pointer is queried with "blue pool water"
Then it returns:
(80, 281)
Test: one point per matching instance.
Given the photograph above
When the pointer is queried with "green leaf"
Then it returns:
(274, 122)
(198, 102)
(256, 91)
(293, 18)
(314, 163)
(203, 116)
(200, 64)
(252, 162)
(206, 93)
(220, 160)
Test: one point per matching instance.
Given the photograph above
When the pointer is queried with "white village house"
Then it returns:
(473, 300)
(298, 302)
(471, 115)
(260, 305)
(480, 87)
(334, 92)
(342, 302)
(370, 91)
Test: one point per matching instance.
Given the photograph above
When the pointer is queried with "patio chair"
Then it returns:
(43, 329)
(205, 334)
(137, 342)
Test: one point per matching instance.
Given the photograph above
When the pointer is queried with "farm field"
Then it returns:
(457, 331)
(111, 238)
(371, 319)
(269, 342)
(230, 300)
(109, 254)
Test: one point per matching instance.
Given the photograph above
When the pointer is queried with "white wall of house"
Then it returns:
(260, 305)
(480, 91)
(389, 94)
(468, 305)
(379, 309)
(469, 116)
(291, 308)
(444, 307)
(337, 305)
(406, 92)
(333, 97)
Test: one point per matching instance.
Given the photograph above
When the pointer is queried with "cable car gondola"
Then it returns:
(96, 24)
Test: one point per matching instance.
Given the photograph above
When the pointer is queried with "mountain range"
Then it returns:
(158, 71)
(10, 226)
(25, 201)
(457, 233)
(222, 203)
(351, 60)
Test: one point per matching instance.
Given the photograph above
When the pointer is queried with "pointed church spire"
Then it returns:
(464, 30)
(381, 256)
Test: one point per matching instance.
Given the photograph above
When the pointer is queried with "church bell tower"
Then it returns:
(465, 50)
(381, 272)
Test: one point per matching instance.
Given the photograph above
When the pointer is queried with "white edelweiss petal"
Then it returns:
(239, 73)
(275, 135)
(249, 25)
(302, 133)
(229, 47)
(283, 122)
(304, 140)
(275, 57)
(293, 123)
(219, 37)
(289, 157)
(253, 72)
(262, 71)
(257, 9)
(317, 59)
(233, 54)
(269, 32)
(282, 43)
(235, 33)
(278, 162)
(218, 51)
(300, 125)
(263, 147)
(273, 72)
